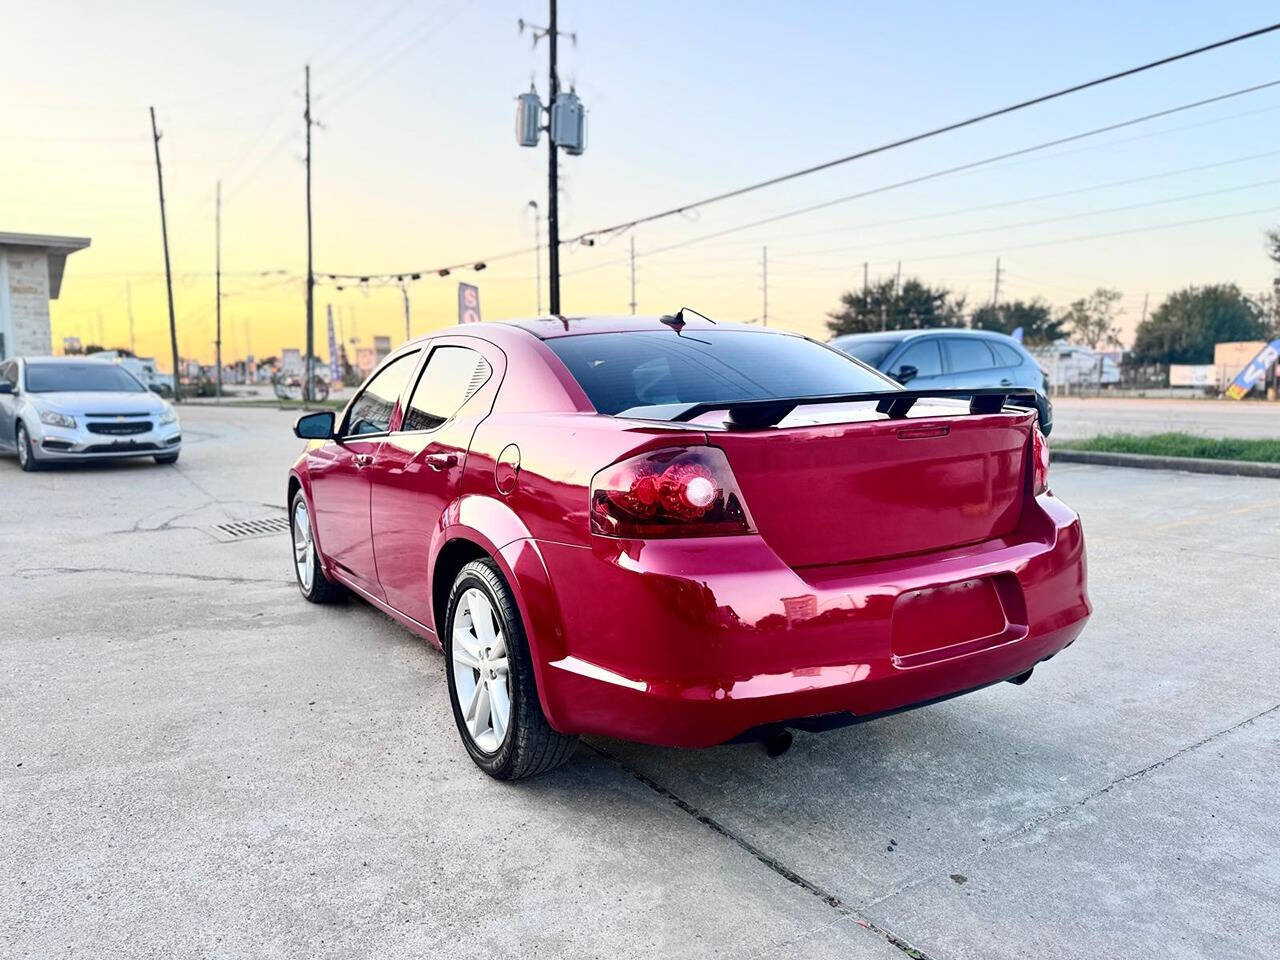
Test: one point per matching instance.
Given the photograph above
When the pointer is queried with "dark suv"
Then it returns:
(950, 357)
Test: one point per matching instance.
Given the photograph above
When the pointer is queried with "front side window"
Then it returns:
(622, 371)
(451, 376)
(80, 378)
(965, 353)
(923, 356)
(371, 412)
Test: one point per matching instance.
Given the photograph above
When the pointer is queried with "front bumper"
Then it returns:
(691, 643)
(51, 443)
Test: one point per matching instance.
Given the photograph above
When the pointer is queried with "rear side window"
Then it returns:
(1006, 356)
(965, 353)
(622, 371)
(923, 356)
(372, 410)
(451, 376)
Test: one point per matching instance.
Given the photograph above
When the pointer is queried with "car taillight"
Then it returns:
(1039, 462)
(673, 492)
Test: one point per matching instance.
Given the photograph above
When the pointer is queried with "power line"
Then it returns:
(445, 270)
(945, 172)
(928, 134)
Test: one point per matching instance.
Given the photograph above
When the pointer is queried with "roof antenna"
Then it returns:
(677, 319)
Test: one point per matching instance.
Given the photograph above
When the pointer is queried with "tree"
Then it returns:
(915, 306)
(1092, 318)
(1035, 319)
(94, 348)
(1184, 328)
(1273, 246)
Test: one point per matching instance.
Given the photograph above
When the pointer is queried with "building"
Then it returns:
(31, 269)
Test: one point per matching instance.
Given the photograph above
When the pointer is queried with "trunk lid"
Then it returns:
(833, 486)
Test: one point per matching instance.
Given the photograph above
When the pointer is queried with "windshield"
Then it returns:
(621, 371)
(870, 352)
(80, 377)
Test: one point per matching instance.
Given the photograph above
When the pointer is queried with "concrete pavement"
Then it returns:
(196, 762)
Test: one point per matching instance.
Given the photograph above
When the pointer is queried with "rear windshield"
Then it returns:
(622, 371)
(76, 377)
(870, 352)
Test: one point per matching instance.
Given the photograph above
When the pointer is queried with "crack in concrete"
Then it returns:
(33, 573)
(773, 863)
(1067, 808)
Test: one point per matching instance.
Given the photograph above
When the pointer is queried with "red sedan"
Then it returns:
(683, 533)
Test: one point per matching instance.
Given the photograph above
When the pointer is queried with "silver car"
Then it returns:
(56, 409)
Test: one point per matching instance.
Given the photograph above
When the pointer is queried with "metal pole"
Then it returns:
(995, 294)
(404, 290)
(217, 272)
(764, 321)
(309, 363)
(537, 256)
(633, 276)
(168, 273)
(553, 189)
(128, 300)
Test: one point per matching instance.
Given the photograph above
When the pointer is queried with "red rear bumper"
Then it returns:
(693, 642)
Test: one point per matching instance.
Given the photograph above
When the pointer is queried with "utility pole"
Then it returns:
(995, 293)
(633, 274)
(217, 288)
(128, 302)
(309, 363)
(537, 256)
(553, 187)
(866, 287)
(168, 272)
(1145, 296)
(764, 264)
(404, 291)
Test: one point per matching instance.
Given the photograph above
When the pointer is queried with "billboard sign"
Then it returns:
(1256, 369)
(468, 303)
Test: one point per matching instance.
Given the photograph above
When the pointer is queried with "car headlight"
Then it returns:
(55, 419)
(169, 416)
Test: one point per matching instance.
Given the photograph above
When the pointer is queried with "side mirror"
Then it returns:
(6, 386)
(315, 426)
(156, 389)
(906, 373)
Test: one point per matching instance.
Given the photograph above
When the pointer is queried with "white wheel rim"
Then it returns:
(481, 672)
(304, 548)
(22, 446)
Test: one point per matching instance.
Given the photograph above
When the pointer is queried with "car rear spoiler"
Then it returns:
(896, 403)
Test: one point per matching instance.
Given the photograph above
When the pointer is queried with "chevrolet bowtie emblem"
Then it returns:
(119, 419)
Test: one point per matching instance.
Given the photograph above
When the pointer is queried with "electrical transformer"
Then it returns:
(528, 119)
(569, 123)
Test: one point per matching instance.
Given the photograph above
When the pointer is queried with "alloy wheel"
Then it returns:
(481, 670)
(24, 449)
(304, 548)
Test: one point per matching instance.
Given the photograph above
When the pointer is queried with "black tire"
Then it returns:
(167, 458)
(322, 589)
(530, 745)
(26, 457)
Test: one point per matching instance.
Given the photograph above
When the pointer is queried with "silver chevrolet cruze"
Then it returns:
(75, 409)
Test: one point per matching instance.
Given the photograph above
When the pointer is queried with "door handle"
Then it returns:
(442, 461)
(364, 459)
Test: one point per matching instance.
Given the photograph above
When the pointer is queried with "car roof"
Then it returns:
(900, 335)
(59, 361)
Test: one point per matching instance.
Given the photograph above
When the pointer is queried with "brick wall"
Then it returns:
(28, 301)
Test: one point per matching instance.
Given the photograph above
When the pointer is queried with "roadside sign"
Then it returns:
(1252, 374)
(468, 303)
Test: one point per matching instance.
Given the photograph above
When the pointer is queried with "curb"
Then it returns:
(1143, 461)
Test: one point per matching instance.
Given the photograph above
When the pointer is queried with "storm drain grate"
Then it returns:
(248, 529)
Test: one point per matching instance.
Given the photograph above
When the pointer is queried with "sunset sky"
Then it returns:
(417, 165)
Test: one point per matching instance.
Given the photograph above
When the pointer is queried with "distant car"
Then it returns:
(58, 409)
(954, 358)
(683, 533)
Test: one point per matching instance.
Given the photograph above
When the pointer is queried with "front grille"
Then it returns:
(113, 415)
(118, 429)
(123, 446)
